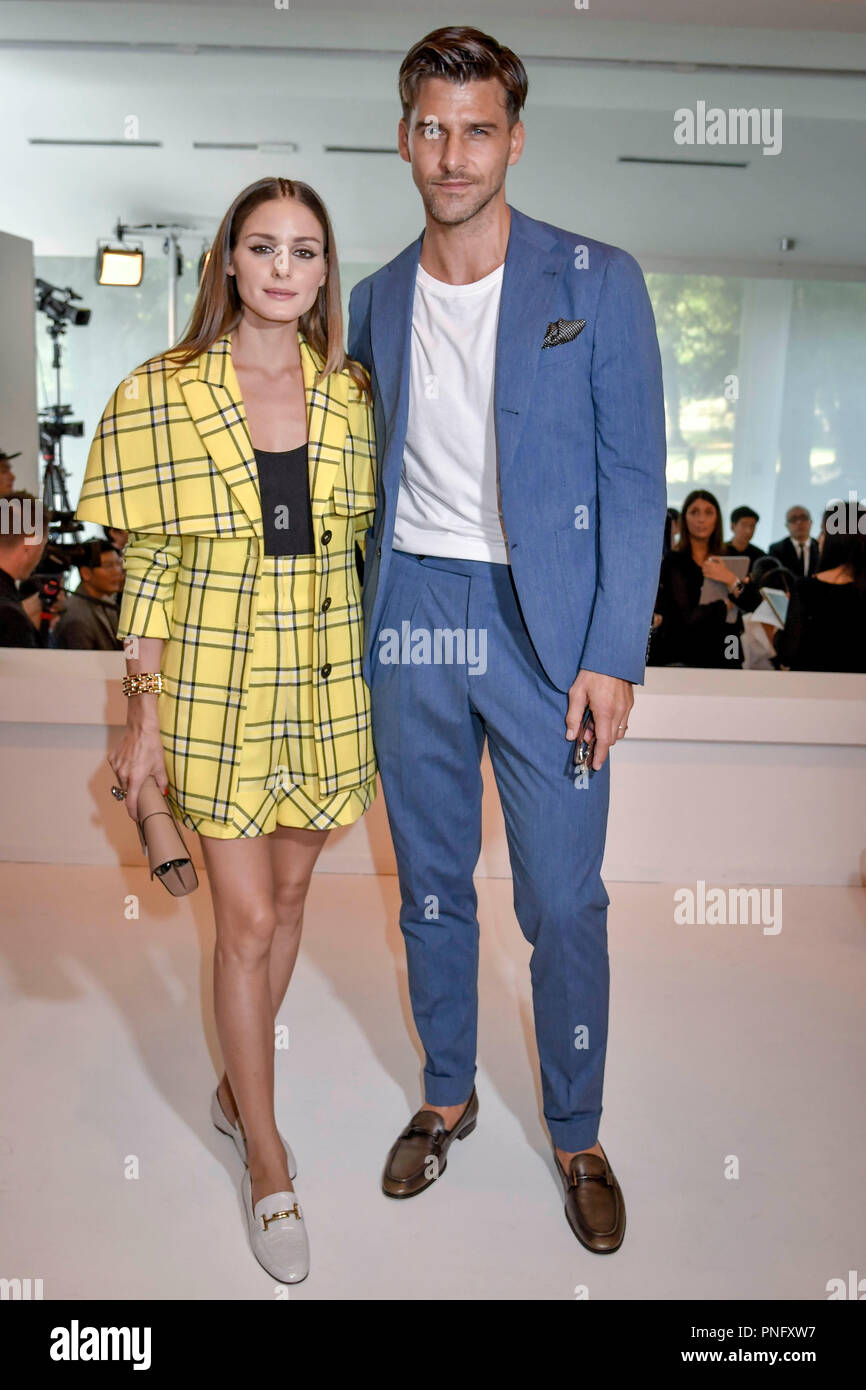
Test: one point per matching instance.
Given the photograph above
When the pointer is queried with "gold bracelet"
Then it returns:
(144, 683)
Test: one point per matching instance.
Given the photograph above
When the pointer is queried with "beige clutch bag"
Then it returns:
(162, 841)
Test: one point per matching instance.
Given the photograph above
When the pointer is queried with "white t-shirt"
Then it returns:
(448, 503)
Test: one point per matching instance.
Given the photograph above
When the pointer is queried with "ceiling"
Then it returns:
(845, 16)
(321, 75)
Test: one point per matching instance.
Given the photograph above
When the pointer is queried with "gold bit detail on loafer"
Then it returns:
(292, 1211)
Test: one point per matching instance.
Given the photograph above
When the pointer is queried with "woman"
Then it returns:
(825, 626)
(687, 632)
(242, 464)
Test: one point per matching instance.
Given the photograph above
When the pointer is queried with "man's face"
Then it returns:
(744, 530)
(459, 145)
(799, 523)
(107, 577)
(7, 478)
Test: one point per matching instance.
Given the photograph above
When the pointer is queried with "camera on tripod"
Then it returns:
(53, 425)
(57, 304)
(54, 420)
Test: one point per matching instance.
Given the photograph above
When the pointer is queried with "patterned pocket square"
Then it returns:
(562, 332)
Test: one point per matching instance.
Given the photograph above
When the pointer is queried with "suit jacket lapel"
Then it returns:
(390, 336)
(213, 398)
(533, 262)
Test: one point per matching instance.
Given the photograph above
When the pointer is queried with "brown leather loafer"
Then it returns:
(594, 1205)
(418, 1156)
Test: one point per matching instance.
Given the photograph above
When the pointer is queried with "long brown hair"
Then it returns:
(218, 308)
(715, 542)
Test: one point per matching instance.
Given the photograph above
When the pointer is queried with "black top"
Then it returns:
(16, 629)
(751, 550)
(284, 488)
(825, 629)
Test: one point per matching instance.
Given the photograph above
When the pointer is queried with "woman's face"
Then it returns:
(279, 261)
(701, 519)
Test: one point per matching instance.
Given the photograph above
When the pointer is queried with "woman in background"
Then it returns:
(691, 633)
(825, 627)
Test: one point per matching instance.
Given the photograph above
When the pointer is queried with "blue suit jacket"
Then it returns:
(578, 426)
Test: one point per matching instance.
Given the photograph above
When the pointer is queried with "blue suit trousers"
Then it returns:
(431, 715)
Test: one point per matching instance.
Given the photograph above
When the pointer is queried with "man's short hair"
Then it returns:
(740, 513)
(92, 552)
(461, 54)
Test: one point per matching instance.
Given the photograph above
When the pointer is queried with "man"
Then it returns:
(797, 552)
(7, 475)
(89, 621)
(508, 588)
(743, 523)
(22, 541)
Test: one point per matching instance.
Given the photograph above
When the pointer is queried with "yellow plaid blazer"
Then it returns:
(172, 463)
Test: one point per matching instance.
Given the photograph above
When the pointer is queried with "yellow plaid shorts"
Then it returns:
(278, 783)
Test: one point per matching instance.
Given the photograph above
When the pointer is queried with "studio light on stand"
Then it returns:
(119, 264)
(124, 265)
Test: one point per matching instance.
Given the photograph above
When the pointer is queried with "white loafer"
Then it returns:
(278, 1235)
(225, 1126)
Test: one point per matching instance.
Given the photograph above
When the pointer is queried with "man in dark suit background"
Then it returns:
(797, 552)
(89, 622)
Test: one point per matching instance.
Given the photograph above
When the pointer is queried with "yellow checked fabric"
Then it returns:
(172, 463)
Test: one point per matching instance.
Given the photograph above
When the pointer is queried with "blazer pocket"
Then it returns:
(563, 353)
(354, 486)
(351, 501)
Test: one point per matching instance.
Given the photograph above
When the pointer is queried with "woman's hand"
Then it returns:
(138, 755)
(714, 567)
(140, 752)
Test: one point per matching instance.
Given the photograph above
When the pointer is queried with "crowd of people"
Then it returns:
(799, 607)
(36, 609)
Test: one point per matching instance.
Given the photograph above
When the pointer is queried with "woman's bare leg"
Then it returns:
(293, 858)
(258, 885)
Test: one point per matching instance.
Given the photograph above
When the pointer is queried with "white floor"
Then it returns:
(724, 1042)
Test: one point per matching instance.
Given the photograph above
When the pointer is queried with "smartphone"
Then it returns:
(583, 746)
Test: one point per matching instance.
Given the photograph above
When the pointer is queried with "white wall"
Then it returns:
(18, 430)
(741, 777)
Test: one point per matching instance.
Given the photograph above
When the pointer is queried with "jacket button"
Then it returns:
(326, 605)
(379, 551)
(326, 670)
(326, 536)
